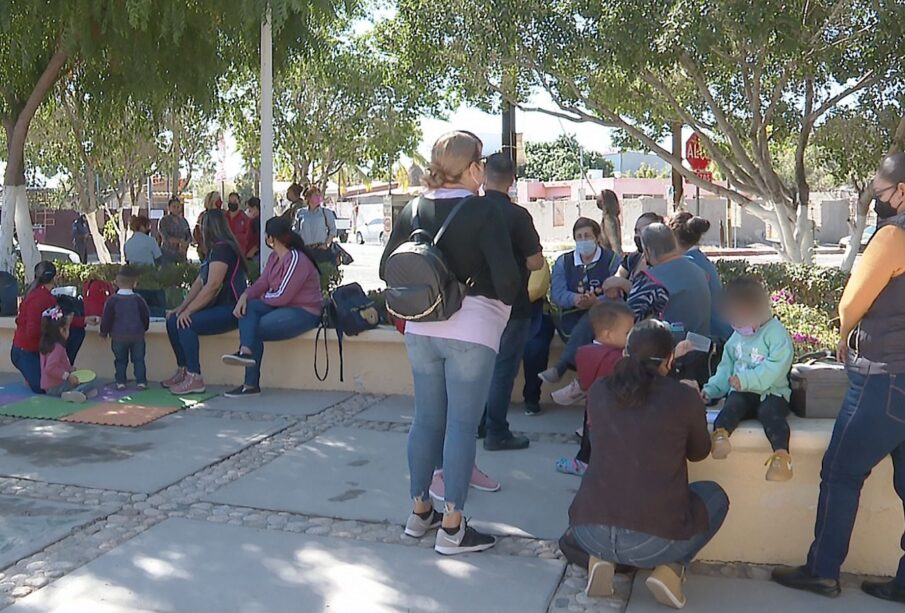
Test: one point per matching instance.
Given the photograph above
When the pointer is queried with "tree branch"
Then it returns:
(866, 81)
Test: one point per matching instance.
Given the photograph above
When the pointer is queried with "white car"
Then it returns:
(52, 253)
(865, 238)
(371, 232)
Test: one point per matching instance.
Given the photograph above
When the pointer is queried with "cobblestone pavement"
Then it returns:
(127, 515)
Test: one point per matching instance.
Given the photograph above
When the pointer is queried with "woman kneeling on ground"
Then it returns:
(38, 298)
(208, 307)
(638, 509)
(283, 303)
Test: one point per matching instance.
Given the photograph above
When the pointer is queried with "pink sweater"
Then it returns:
(290, 281)
(55, 367)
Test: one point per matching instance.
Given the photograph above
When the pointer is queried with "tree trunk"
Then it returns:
(15, 204)
(789, 247)
(97, 235)
(804, 235)
(97, 232)
(854, 245)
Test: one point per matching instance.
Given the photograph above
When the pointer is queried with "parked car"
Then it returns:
(865, 238)
(343, 227)
(52, 253)
(371, 232)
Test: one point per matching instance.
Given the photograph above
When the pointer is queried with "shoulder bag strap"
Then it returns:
(449, 219)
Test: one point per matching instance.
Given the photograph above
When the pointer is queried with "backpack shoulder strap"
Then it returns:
(416, 221)
(449, 218)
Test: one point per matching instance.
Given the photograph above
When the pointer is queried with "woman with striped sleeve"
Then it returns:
(285, 302)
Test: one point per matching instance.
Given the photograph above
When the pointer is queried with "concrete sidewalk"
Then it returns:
(294, 502)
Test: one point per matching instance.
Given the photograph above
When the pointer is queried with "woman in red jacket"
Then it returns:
(283, 303)
(24, 353)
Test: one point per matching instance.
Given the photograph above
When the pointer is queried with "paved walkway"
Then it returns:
(293, 502)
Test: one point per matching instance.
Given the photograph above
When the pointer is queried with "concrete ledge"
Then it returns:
(374, 362)
(769, 523)
(773, 523)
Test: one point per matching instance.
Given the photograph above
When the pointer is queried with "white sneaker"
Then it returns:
(551, 376)
(568, 395)
(417, 527)
(73, 397)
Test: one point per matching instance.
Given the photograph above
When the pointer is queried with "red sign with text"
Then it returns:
(695, 154)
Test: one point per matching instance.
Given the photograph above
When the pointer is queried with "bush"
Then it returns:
(805, 299)
(174, 279)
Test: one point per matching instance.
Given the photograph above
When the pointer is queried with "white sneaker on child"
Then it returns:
(568, 395)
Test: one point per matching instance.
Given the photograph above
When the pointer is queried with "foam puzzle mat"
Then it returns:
(112, 407)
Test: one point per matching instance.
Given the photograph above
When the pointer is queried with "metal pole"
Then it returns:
(266, 130)
(697, 195)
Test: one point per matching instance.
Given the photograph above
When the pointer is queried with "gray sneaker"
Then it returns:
(466, 540)
(417, 527)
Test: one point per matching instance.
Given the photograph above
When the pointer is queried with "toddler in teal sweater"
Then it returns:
(753, 375)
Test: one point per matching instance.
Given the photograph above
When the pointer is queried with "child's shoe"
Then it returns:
(120, 387)
(568, 395)
(551, 376)
(720, 447)
(780, 464)
(571, 466)
(142, 387)
(74, 397)
(600, 578)
(665, 583)
(176, 379)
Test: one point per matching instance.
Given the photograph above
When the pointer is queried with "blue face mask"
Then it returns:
(585, 248)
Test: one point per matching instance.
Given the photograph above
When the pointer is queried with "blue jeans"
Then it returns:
(512, 348)
(207, 322)
(451, 381)
(123, 351)
(29, 362)
(266, 323)
(869, 427)
(582, 334)
(85, 388)
(537, 352)
(623, 546)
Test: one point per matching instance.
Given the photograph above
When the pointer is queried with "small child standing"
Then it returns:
(612, 321)
(753, 374)
(126, 319)
(57, 378)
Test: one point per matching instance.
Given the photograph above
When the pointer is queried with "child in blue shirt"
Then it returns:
(753, 374)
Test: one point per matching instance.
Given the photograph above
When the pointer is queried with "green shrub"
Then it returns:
(174, 279)
(813, 286)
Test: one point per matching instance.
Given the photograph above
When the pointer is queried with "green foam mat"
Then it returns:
(162, 398)
(42, 407)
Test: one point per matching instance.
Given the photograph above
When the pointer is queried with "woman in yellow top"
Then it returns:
(871, 423)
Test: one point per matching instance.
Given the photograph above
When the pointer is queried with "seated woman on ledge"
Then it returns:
(635, 506)
(208, 307)
(284, 303)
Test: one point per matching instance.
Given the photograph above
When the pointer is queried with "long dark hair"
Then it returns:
(215, 230)
(280, 229)
(650, 344)
(52, 331)
(45, 272)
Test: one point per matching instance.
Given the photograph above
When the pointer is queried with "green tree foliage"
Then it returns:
(562, 159)
(749, 77)
(338, 107)
(144, 50)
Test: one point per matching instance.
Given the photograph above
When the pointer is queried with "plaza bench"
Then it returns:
(770, 523)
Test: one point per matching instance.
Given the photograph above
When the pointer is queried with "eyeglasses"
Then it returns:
(877, 192)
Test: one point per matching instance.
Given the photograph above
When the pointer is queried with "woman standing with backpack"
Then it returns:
(453, 360)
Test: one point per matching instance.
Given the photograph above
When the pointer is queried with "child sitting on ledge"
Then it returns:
(753, 374)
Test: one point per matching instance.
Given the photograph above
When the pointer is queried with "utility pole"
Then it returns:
(266, 128)
(678, 195)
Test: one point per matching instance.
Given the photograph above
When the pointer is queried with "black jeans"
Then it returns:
(771, 412)
(123, 351)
